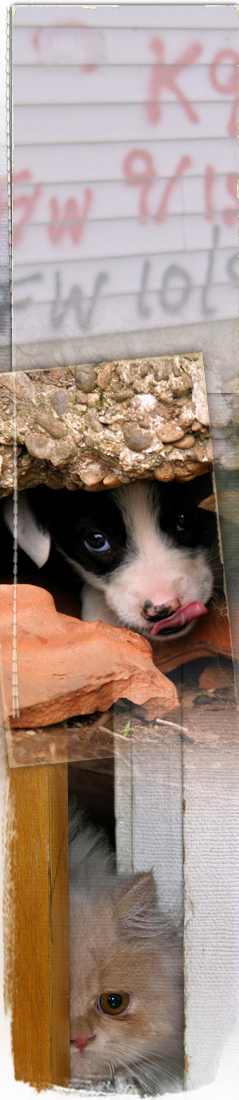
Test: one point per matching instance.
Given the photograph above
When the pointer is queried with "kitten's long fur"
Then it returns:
(121, 943)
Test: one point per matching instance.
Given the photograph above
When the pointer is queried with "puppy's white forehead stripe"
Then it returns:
(31, 539)
(136, 505)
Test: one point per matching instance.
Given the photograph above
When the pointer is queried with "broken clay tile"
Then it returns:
(67, 667)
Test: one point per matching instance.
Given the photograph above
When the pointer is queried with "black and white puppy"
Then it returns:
(145, 552)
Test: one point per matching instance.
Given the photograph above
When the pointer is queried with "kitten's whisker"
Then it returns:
(156, 1058)
(147, 1081)
(135, 1075)
(163, 1064)
(110, 1075)
(115, 1080)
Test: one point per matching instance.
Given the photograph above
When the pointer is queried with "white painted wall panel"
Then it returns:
(195, 858)
(211, 936)
(125, 147)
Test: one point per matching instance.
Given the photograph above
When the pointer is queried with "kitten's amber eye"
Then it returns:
(114, 1004)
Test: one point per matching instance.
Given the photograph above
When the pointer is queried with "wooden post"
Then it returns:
(37, 948)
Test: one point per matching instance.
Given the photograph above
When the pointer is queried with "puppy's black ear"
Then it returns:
(209, 504)
(31, 538)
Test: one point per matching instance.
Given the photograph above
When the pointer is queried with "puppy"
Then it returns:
(146, 552)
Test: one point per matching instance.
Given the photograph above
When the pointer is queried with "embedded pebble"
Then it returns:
(187, 418)
(55, 428)
(22, 384)
(93, 421)
(72, 485)
(164, 472)
(80, 399)
(86, 378)
(176, 366)
(122, 395)
(136, 439)
(126, 371)
(40, 446)
(195, 426)
(170, 432)
(162, 372)
(140, 386)
(92, 474)
(202, 451)
(181, 385)
(104, 377)
(59, 400)
(187, 441)
(111, 481)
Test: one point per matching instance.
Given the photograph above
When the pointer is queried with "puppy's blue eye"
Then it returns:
(185, 522)
(97, 543)
(182, 523)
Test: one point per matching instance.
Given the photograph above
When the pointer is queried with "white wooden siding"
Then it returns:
(113, 173)
(153, 781)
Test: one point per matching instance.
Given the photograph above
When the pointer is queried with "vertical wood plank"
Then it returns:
(37, 947)
(123, 807)
(211, 896)
(148, 807)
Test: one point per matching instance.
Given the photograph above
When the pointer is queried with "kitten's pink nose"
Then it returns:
(160, 610)
(81, 1041)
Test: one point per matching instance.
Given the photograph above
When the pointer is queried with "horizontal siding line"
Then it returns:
(124, 141)
(124, 103)
(126, 27)
(140, 256)
(126, 294)
(111, 64)
(134, 218)
(109, 181)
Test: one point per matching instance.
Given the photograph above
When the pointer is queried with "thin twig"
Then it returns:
(163, 722)
(113, 734)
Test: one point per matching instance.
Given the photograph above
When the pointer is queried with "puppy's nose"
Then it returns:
(159, 611)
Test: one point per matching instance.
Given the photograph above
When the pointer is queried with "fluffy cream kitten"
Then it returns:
(125, 973)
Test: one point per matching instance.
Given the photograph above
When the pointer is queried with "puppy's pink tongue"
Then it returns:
(184, 615)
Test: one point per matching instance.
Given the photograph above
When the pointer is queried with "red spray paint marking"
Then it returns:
(165, 75)
(230, 215)
(230, 86)
(210, 178)
(88, 68)
(140, 171)
(184, 163)
(144, 177)
(27, 202)
(71, 219)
